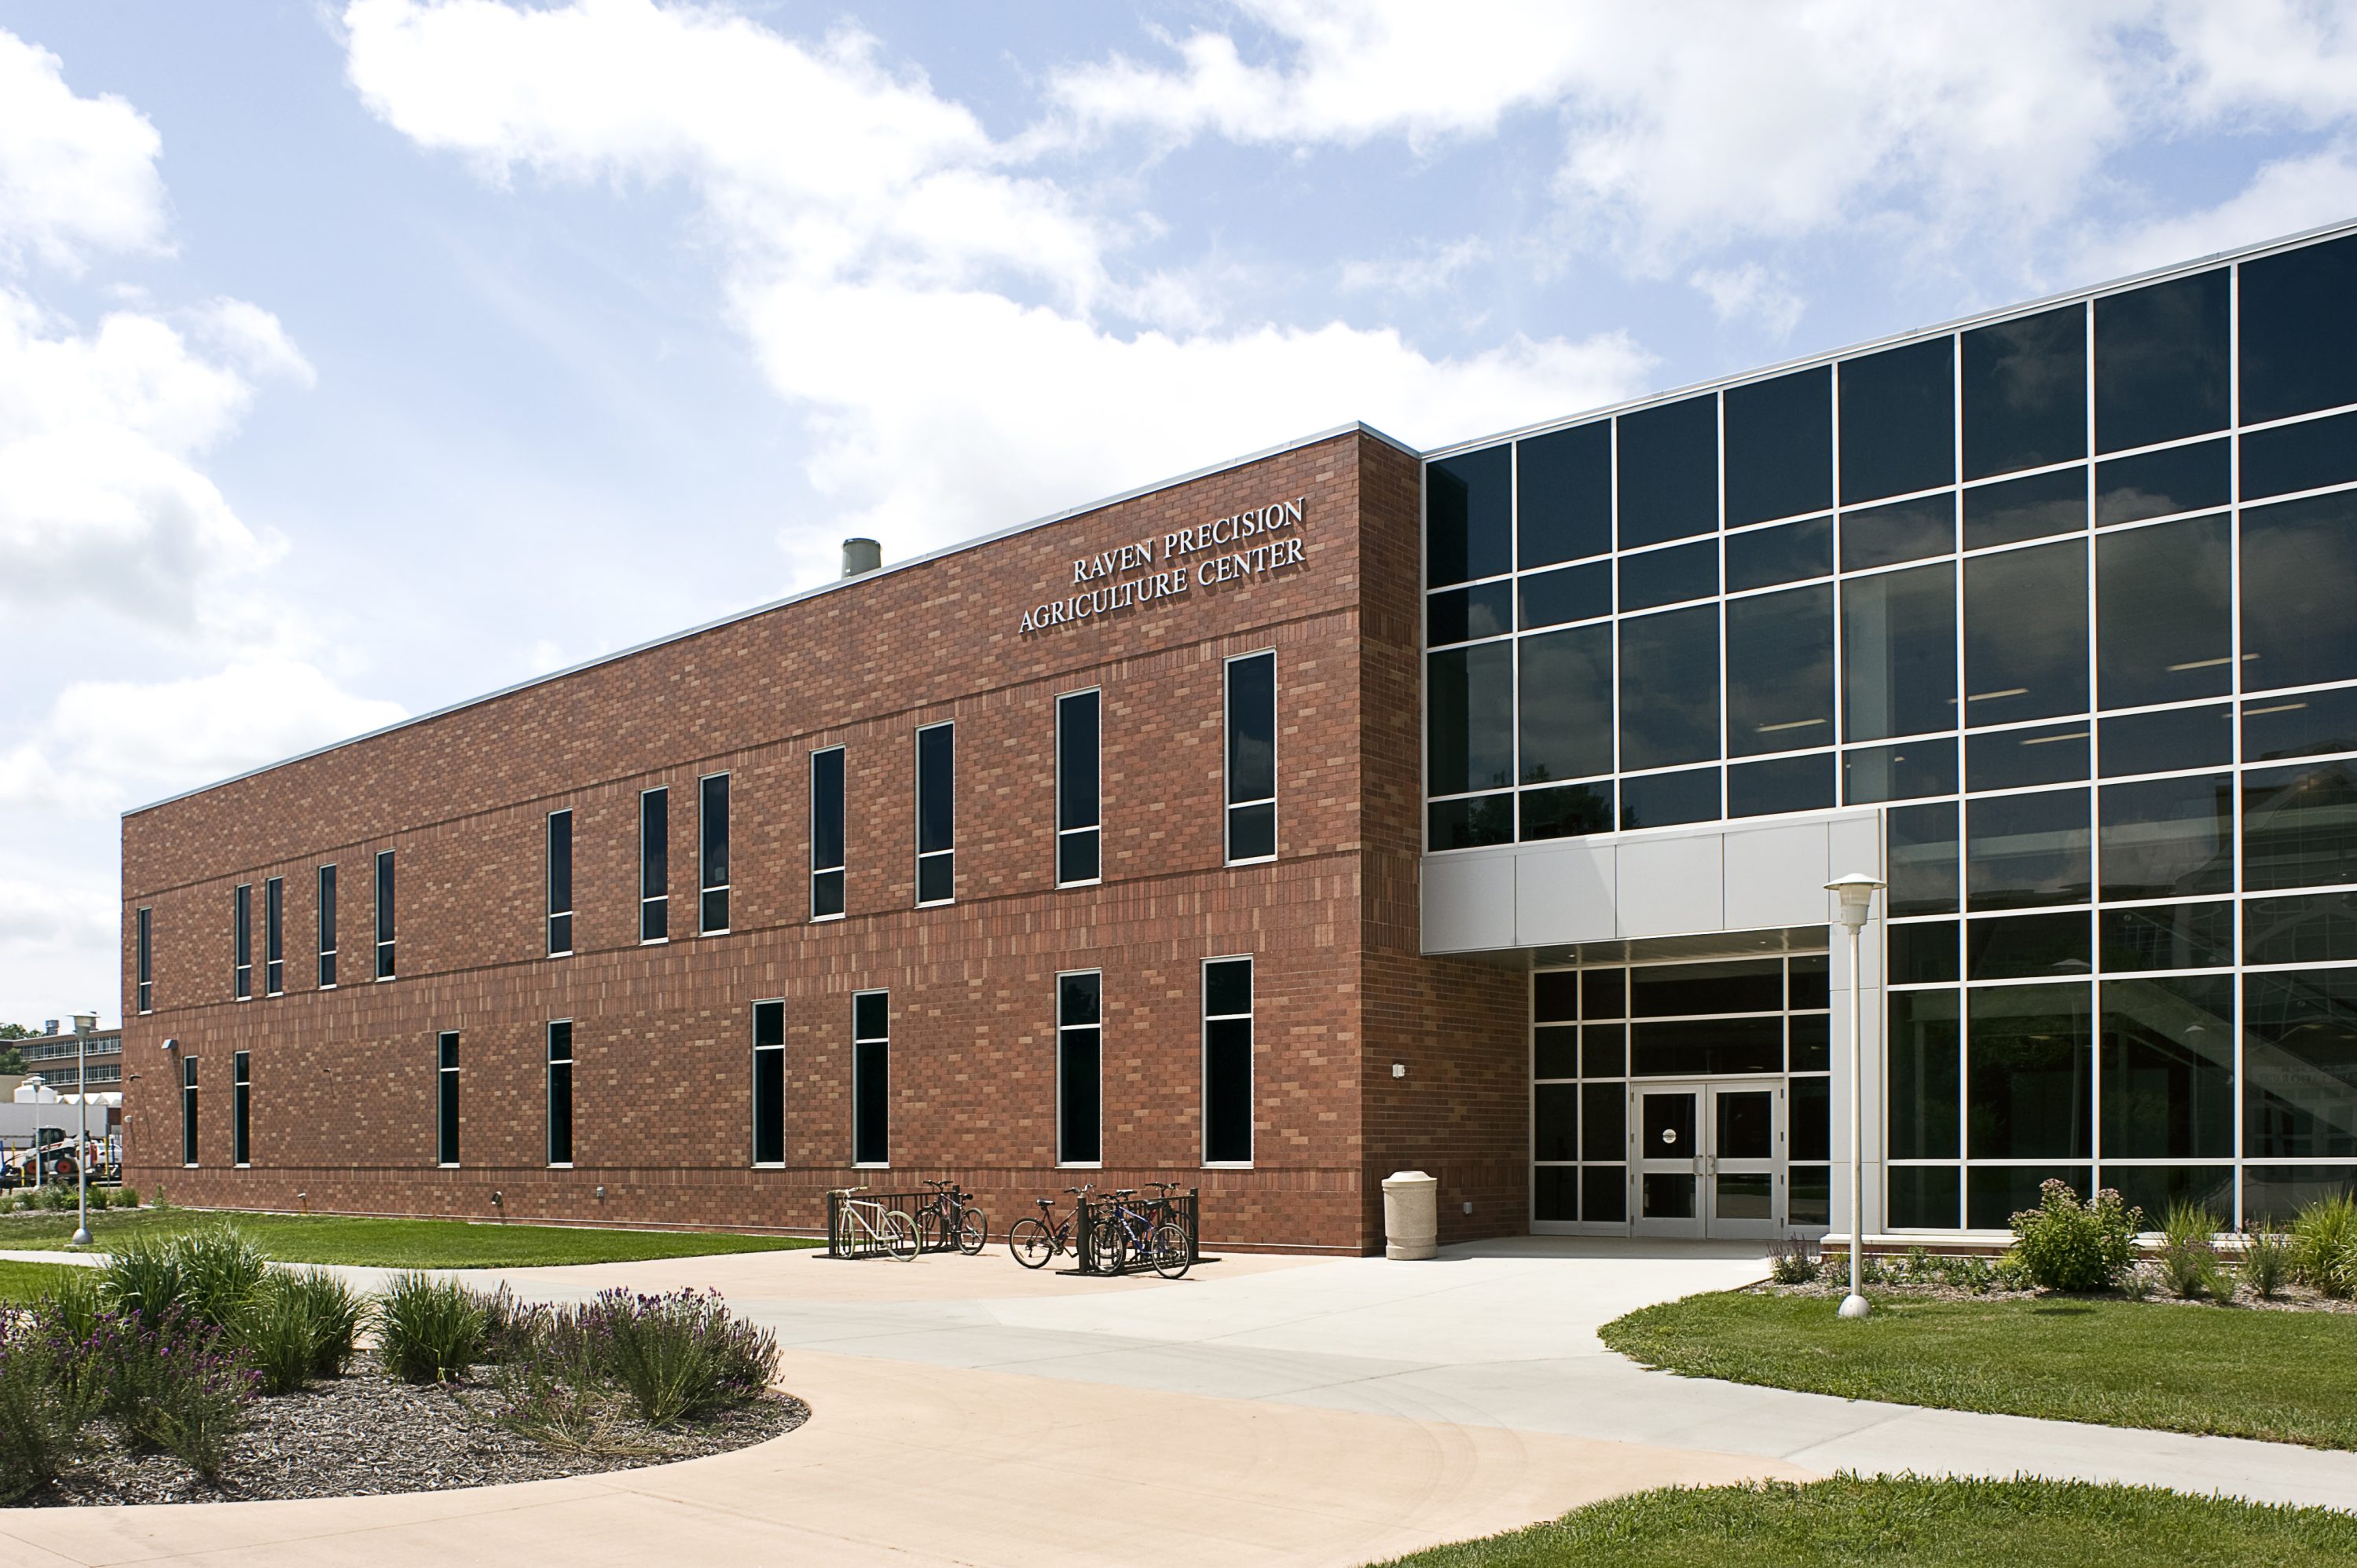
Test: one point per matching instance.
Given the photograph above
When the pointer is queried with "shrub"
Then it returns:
(178, 1386)
(428, 1330)
(274, 1328)
(125, 1197)
(511, 1326)
(335, 1312)
(2266, 1261)
(220, 1271)
(162, 1202)
(55, 1195)
(2324, 1246)
(683, 1356)
(556, 1391)
(1792, 1261)
(71, 1311)
(2065, 1245)
(45, 1406)
(142, 1279)
(2188, 1264)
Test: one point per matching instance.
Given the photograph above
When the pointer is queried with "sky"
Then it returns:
(357, 358)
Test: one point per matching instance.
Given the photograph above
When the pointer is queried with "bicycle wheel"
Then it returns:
(1029, 1241)
(932, 1230)
(1108, 1249)
(900, 1236)
(973, 1232)
(1169, 1254)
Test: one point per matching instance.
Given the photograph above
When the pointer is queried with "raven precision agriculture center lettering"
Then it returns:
(1227, 536)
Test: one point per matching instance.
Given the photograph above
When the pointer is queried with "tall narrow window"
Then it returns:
(1228, 1061)
(654, 866)
(241, 936)
(446, 1098)
(146, 958)
(1252, 757)
(936, 813)
(560, 1093)
(768, 1083)
(1079, 803)
(1079, 1069)
(273, 936)
(826, 834)
(712, 854)
(327, 928)
(188, 1111)
(871, 1077)
(240, 1108)
(384, 914)
(560, 883)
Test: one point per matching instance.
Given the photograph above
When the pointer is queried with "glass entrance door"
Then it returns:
(1668, 1169)
(1710, 1159)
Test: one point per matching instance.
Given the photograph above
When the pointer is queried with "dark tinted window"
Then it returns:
(2299, 331)
(1660, 800)
(1669, 689)
(2166, 838)
(1670, 991)
(2025, 386)
(1471, 823)
(1924, 1068)
(1669, 472)
(2181, 479)
(1575, 592)
(1780, 447)
(1468, 516)
(2160, 362)
(1700, 1046)
(1460, 615)
(1898, 421)
(2026, 633)
(1779, 672)
(1469, 696)
(2030, 1094)
(2028, 850)
(1604, 994)
(2299, 826)
(1905, 530)
(1555, 999)
(1781, 784)
(1791, 554)
(2304, 456)
(2313, 723)
(1922, 847)
(1898, 652)
(2018, 758)
(936, 788)
(1923, 951)
(2162, 619)
(2301, 1054)
(2164, 742)
(1668, 576)
(2309, 927)
(1567, 810)
(1567, 494)
(2168, 936)
(1567, 706)
(2026, 508)
(1912, 769)
(2300, 618)
(2024, 947)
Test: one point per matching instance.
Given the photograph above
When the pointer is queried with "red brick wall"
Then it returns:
(344, 1081)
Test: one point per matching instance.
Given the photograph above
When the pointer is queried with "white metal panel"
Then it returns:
(1777, 875)
(1564, 893)
(1468, 903)
(1672, 884)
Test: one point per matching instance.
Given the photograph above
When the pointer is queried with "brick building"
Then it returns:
(1346, 809)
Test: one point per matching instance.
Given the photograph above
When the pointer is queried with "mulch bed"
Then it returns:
(365, 1435)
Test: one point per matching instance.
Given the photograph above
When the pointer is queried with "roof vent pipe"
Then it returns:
(48, 1025)
(861, 556)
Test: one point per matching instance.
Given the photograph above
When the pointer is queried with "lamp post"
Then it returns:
(81, 1149)
(1855, 892)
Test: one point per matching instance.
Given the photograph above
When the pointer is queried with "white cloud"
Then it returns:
(1750, 292)
(76, 174)
(1431, 271)
(2283, 198)
(880, 254)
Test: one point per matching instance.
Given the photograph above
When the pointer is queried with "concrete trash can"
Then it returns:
(1411, 1215)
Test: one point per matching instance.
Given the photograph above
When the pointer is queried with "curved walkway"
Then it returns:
(1261, 1410)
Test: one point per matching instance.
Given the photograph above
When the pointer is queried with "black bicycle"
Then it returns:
(1143, 1231)
(1033, 1241)
(949, 1219)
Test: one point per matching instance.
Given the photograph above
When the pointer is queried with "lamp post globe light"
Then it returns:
(82, 1150)
(1855, 895)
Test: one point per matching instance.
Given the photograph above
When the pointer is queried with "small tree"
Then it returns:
(12, 1060)
(2066, 1245)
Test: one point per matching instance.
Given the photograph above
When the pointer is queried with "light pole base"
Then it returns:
(1854, 1306)
(80, 1238)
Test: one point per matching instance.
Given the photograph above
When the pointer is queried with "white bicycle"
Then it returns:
(868, 1226)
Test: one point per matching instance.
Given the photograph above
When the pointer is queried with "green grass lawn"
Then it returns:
(2288, 1377)
(393, 1243)
(23, 1282)
(1910, 1523)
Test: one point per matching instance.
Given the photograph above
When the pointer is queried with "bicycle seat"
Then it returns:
(1045, 1203)
(1125, 1192)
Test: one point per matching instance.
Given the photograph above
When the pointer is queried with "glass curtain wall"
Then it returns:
(2074, 596)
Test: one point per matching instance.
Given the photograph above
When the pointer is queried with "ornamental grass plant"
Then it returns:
(2187, 1261)
(2266, 1261)
(2324, 1246)
(428, 1330)
(682, 1356)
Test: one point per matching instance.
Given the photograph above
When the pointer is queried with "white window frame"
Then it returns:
(841, 866)
(723, 888)
(1252, 1065)
(273, 936)
(1097, 827)
(884, 1039)
(646, 898)
(143, 960)
(240, 942)
(548, 883)
(1228, 808)
(1099, 1026)
(388, 965)
(916, 813)
(446, 1087)
(323, 903)
(240, 1109)
(761, 1050)
(548, 1094)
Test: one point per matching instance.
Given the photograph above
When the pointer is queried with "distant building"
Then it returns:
(53, 1054)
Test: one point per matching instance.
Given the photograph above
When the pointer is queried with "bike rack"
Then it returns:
(844, 1241)
(1184, 1209)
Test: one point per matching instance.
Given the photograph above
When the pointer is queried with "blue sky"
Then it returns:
(355, 359)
